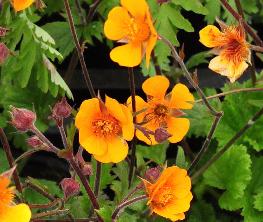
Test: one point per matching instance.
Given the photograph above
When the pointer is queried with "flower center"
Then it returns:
(161, 110)
(164, 196)
(138, 31)
(106, 126)
(6, 194)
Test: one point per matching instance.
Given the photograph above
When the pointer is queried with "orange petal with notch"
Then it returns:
(209, 36)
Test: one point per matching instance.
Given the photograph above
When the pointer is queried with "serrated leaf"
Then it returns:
(258, 202)
(202, 211)
(3, 161)
(231, 173)
(56, 78)
(236, 117)
(197, 59)
(192, 5)
(105, 212)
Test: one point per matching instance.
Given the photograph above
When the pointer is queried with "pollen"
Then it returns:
(6, 194)
(106, 126)
(164, 197)
(138, 31)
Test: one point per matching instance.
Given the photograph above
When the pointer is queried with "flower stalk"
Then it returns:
(10, 159)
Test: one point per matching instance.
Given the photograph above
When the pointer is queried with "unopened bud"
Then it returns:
(40, 4)
(34, 142)
(70, 187)
(61, 110)
(22, 119)
(152, 174)
(86, 169)
(3, 31)
(4, 53)
(161, 135)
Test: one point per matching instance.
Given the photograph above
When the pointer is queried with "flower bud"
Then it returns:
(161, 135)
(34, 142)
(152, 174)
(61, 110)
(4, 53)
(22, 119)
(70, 187)
(86, 169)
(3, 31)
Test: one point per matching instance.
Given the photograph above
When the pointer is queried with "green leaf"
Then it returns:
(192, 5)
(180, 158)
(105, 212)
(213, 7)
(3, 161)
(61, 33)
(235, 118)
(156, 153)
(258, 203)
(79, 206)
(230, 173)
(197, 59)
(56, 78)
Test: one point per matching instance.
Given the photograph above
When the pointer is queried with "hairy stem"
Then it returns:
(10, 159)
(97, 179)
(214, 158)
(231, 92)
(125, 204)
(206, 143)
(63, 134)
(133, 143)
(79, 50)
(86, 185)
(92, 10)
(188, 75)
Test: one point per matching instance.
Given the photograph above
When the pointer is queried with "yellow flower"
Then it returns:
(20, 5)
(104, 129)
(230, 46)
(9, 212)
(170, 195)
(163, 110)
(131, 23)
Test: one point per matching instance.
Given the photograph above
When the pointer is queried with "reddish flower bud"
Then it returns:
(22, 119)
(86, 169)
(34, 142)
(3, 31)
(4, 53)
(161, 135)
(70, 187)
(152, 174)
(61, 110)
(162, 1)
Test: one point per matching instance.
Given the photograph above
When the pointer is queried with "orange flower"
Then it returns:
(131, 23)
(9, 212)
(20, 5)
(232, 49)
(103, 129)
(162, 110)
(170, 195)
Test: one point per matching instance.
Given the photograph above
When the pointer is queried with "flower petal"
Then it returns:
(88, 109)
(128, 55)
(115, 27)
(93, 144)
(17, 213)
(141, 107)
(115, 109)
(128, 127)
(103, 158)
(227, 68)
(156, 86)
(209, 36)
(137, 8)
(21, 4)
(117, 149)
(177, 127)
(149, 47)
(181, 98)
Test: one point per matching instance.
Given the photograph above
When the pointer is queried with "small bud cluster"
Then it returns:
(70, 187)
(61, 110)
